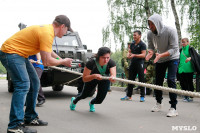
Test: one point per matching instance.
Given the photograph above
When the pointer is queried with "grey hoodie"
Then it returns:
(165, 40)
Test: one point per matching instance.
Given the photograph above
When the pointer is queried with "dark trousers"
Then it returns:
(171, 76)
(186, 81)
(134, 69)
(89, 87)
(41, 96)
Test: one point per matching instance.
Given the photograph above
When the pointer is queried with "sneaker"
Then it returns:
(185, 99)
(157, 107)
(36, 122)
(142, 99)
(172, 112)
(21, 129)
(126, 98)
(190, 99)
(72, 105)
(40, 103)
(92, 108)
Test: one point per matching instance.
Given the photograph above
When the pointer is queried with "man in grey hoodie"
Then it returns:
(164, 40)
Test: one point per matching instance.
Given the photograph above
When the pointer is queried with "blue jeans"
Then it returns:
(161, 68)
(26, 85)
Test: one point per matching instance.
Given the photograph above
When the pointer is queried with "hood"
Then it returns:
(157, 20)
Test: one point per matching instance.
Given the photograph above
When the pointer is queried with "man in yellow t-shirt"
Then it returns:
(14, 55)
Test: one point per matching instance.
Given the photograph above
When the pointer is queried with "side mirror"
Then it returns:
(85, 46)
(89, 51)
(21, 26)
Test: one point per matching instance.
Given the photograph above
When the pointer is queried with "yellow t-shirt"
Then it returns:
(30, 41)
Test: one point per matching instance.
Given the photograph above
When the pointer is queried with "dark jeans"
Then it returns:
(171, 76)
(186, 81)
(134, 69)
(41, 96)
(26, 85)
(89, 87)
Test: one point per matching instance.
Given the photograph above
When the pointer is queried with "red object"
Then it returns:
(145, 70)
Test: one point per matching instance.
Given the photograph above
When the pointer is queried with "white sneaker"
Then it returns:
(157, 107)
(172, 112)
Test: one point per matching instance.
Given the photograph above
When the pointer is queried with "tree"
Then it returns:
(177, 24)
(117, 57)
(127, 16)
(191, 8)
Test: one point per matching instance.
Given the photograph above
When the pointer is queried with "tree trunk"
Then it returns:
(148, 13)
(177, 24)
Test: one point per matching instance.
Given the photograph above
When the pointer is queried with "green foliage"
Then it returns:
(191, 8)
(127, 16)
(117, 56)
(2, 69)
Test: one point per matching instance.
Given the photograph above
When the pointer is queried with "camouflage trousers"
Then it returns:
(150, 74)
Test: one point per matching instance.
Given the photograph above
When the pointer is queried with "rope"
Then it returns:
(162, 88)
(73, 80)
(166, 89)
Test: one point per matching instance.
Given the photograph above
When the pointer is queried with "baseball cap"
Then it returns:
(62, 19)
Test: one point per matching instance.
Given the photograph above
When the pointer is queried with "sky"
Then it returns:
(88, 17)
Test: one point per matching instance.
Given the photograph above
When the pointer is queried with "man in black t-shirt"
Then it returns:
(137, 54)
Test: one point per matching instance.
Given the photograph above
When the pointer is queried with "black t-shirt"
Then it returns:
(91, 65)
(137, 49)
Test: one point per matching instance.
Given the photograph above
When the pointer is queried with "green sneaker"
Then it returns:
(92, 108)
(72, 105)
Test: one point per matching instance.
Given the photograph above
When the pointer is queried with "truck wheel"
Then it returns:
(58, 87)
(10, 86)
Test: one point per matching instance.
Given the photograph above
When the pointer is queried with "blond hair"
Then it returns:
(185, 39)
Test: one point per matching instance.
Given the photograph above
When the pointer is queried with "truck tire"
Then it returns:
(58, 87)
(10, 86)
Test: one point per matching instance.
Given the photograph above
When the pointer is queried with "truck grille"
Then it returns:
(70, 54)
(79, 56)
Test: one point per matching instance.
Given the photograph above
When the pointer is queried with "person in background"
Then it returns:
(150, 73)
(126, 61)
(164, 39)
(39, 69)
(136, 54)
(92, 76)
(186, 69)
(14, 55)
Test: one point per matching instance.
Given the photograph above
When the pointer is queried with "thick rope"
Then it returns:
(166, 89)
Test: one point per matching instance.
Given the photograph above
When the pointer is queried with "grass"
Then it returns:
(2, 78)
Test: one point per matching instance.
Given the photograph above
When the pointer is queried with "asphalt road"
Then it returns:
(112, 116)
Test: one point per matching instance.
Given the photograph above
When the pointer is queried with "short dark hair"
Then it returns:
(137, 31)
(62, 19)
(129, 43)
(102, 51)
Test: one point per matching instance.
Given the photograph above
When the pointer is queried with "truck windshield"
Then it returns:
(66, 41)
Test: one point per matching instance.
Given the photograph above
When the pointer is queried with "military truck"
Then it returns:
(69, 46)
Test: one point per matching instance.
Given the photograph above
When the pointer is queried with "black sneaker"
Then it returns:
(36, 122)
(21, 129)
(40, 103)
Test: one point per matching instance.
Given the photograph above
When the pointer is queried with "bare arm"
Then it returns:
(48, 60)
(149, 55)
(158, 56)
(38, 56)
(112, 74)
(87, 77)
(142, 55)
(54, 55)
